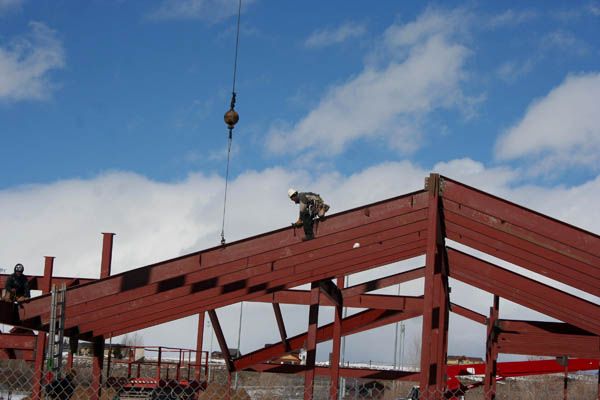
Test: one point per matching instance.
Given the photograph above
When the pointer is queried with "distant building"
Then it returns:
(235, 353)
(294, 357)
(117, 350)
(464, 360)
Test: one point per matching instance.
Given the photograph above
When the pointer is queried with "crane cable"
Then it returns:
(231, 118)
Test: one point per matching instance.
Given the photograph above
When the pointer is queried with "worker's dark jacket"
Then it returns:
(61, 389)
(306, 199)
(20, 284)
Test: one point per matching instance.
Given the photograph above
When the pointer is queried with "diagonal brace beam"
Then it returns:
(221, 339)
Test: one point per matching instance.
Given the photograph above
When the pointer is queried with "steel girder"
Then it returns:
(265, 267)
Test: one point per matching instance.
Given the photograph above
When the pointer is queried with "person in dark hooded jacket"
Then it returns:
(17, 287)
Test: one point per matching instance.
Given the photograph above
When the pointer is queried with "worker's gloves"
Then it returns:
(297, 224)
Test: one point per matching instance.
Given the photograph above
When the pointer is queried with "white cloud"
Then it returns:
(207, 10)
(7, 6)
(510, 71)
(328, 37)
(511, 17)
(156, 221)
(423, 73)
(26, 62)
(560, 130)
(564, 41)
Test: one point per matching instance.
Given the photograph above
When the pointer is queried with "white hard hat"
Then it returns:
(291, 192)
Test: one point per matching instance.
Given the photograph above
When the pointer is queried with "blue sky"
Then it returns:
(111, 119)
(136, 90)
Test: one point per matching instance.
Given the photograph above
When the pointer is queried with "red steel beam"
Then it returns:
(435, 307)
(546, 339)
(244, 278)
(281, 325)
(525, 368)
(524, 291)
(528, 255)
(107, 246)
(468, 313)
(365, 320)
(302, 296)
(331, 291)
(491, 352)
(17, 341)
(531, 225)
(199, 341)
(358, 373)
(540, 327)
(214, 319)
(334, 362)
(384, 282)
(311, 341)
(360, 263)
(189, 291)
(376, 301)
(578, 249)
(549, 345)
(36, 282)
(211, 263)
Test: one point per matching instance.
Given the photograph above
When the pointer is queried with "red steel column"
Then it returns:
(311, 341)
(199, 340)
(491, 351)
(335, 351)
(107, 245)
(566, 380)
(97, 363)
(73, 345)
(158, 365)
(98, 342)
(40, 349)
(435, 309)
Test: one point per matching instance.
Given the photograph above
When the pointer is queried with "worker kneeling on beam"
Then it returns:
(17, 287)
(312, 207)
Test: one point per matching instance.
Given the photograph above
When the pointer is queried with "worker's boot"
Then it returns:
(308, 237)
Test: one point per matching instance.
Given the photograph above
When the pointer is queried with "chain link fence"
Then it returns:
(177, 381)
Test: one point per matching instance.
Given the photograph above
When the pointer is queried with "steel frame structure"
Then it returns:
(266, 268)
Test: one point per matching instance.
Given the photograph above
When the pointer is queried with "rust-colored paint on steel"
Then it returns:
(356, 323)
(165, 313)
(524, 291)
(242, 254)
(435, 306)
(199, 340)
(543, 327)
(281, 325)
(491, 351)
(410, 253)
(17, 341)
(381, 283)
(334, 362)
(311, 340)
(504, 211)
(188, 291)
(216, 325)
(359, 373)
(207, 285)
(106, 262)
(468, 313)
(512, 249)
(302, 296)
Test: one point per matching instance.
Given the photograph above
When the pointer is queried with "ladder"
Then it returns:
(56, 330)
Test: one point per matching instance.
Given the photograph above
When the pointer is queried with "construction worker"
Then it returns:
(62, 389)
(312, 207)
(17, 287)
